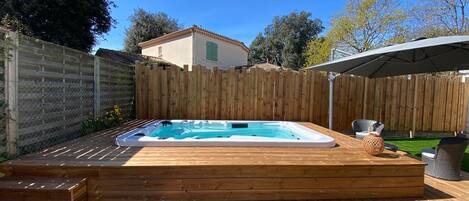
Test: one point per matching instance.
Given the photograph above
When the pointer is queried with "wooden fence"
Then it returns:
(423, 102)
(51, 89)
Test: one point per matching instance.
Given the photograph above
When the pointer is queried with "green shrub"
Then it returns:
(109, 120)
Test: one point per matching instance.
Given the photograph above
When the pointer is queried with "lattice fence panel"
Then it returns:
(55, 93)
(116, 86)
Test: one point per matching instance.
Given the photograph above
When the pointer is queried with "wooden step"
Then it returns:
(42, 188)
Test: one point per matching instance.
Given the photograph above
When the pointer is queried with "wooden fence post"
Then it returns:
(138, 91)
(97, 87)
(466, 80)
(11, 93)
(365, 97)
(414, 108)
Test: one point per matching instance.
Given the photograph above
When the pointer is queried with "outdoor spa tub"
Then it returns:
(224, 133)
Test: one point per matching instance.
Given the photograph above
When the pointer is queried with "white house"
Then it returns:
(197, 46)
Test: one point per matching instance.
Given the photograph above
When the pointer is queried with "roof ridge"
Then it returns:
(193, 29)
(217, 34)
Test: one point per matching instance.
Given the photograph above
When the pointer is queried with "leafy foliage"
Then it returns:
(367, 24)
(364, 25)
(258, 53)
(72, 23)
(13, 23)
(440, 17)
(317, 51)
(109, 120)
(284, 41)
(146, 26)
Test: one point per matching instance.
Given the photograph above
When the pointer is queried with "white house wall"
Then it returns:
(177, 51)
(228, 54)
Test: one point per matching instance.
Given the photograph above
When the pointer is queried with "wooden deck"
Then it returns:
(230, 173)
(441, 190)
(41, 189)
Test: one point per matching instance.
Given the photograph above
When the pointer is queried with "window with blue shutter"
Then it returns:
(211, 51)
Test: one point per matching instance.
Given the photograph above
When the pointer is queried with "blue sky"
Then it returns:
(238, 19)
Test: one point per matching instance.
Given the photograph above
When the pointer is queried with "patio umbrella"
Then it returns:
(449, 53)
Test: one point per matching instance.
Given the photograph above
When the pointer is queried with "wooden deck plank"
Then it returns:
(35, 184)
(40, 188)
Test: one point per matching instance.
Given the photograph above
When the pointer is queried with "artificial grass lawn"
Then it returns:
(415, 146)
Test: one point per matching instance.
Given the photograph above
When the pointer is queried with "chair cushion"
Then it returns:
(361, 135)
(429, 153)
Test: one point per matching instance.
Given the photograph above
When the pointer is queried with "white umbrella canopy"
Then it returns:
(449, 53)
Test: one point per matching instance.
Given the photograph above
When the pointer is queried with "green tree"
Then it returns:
(367, 24)
(317, 51)
(72, 23)
(440, 17)
(363, 25)
(146, 26)
(284, 41)
(257, 52)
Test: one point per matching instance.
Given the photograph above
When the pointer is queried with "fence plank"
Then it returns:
(409, 108)
(449, 96)
(462, 107)
(402, 104)
(465, 102)
(428, 104)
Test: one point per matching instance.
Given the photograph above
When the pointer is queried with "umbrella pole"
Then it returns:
(331, 77)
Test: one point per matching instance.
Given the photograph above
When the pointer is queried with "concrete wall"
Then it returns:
(177, 51)
(228, 54)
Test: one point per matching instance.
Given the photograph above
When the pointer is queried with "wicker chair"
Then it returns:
(445, 160)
